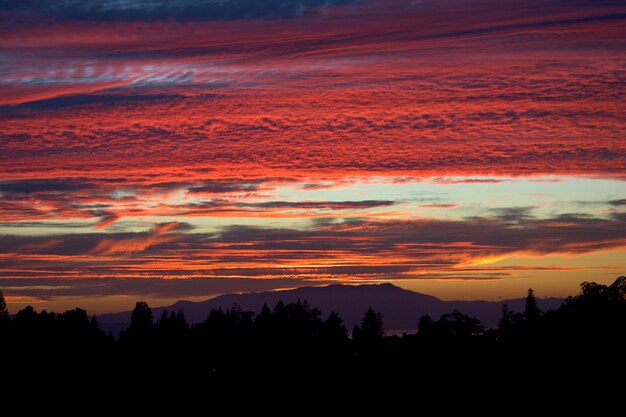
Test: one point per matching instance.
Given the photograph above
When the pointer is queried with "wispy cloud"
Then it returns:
(157, 235)
(346, 249)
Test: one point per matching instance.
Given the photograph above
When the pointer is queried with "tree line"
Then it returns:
(598, 312)
(587, 332)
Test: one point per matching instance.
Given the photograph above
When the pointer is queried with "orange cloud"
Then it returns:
(158, 234)
(106, 221)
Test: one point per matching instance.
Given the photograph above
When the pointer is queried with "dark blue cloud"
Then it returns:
(43, 185)
(86, 99)
(619, 202)
(168, 9)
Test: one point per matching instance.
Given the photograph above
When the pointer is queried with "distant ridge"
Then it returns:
(401, 308)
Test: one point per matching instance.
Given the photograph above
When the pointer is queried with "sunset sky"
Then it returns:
(165, 150)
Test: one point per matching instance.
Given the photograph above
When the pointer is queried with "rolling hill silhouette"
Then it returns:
(401, 308)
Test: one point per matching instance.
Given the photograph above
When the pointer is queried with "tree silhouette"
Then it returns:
(263, 321)
(614, 292)
(141, 317)
(140, 324)
(371, 329)
(531, 309)
(507, 316)
(425, 326)
(593, 290)
(457, 324)
(265, 327)
(279, 309)
(5, 320)
(171, 328)
(333, 332)
(4, 313)
(450, 325)
(302, 322)
(618, 289)
(509, 322)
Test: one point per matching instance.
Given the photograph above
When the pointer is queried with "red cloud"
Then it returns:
(321, 98)
(109, 120)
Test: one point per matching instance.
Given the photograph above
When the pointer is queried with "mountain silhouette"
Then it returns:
(401, 308)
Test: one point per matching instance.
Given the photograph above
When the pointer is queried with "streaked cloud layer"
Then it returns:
(309, 141)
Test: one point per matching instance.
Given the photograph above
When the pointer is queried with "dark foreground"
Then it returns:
(535, 363)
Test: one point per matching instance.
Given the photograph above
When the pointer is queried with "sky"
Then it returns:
(164, 150)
